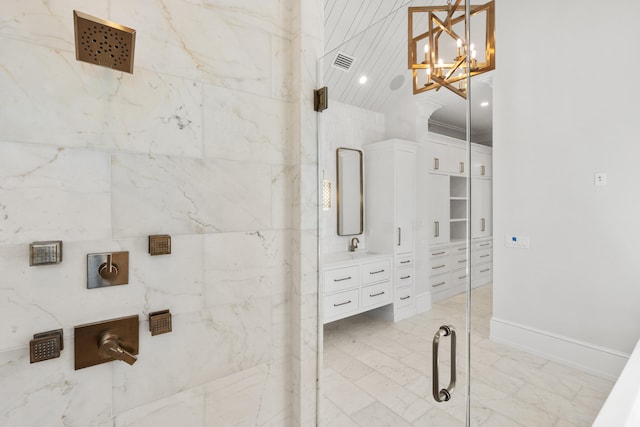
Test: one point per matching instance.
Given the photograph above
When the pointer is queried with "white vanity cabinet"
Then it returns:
(481, 216)
(481, 159)
(457, 160)
(436, 158)
(390, 194)
(352, 284)
(436, 191)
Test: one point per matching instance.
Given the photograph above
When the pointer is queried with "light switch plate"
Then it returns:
(516, 241)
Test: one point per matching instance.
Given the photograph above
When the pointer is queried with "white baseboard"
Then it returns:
(601, 361)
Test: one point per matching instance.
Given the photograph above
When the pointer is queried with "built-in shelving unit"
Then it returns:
(445, 258)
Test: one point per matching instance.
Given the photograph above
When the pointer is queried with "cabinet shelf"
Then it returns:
(458, 219)
(458, 209)
(458, 187)
(459, 198)
(459, 240)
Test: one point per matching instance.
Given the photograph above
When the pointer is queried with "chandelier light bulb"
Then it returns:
(426, 48)
(459, 43)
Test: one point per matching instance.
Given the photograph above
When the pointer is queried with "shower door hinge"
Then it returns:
(320, 99)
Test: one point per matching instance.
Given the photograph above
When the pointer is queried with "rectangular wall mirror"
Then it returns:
(350, 191)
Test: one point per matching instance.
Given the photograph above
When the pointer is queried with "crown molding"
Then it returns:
(484, 138)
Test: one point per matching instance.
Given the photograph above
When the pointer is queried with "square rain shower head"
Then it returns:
(103, 42)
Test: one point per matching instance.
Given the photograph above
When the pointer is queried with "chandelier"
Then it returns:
(448, 57)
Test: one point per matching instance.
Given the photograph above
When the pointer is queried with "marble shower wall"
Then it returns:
(194, 144)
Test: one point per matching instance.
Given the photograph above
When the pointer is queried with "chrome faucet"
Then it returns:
(354, 244)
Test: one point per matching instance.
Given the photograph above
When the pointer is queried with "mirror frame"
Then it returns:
(339, 193)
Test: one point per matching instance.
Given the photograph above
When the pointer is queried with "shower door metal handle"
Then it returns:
(443, 395)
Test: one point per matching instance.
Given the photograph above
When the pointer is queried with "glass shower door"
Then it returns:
(402, 361)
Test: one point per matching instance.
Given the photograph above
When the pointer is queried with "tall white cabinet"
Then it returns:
(444, 259)
(390, 215)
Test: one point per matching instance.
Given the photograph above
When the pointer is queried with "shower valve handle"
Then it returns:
(110, 347)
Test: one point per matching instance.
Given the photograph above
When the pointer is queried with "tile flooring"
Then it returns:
(378, 373)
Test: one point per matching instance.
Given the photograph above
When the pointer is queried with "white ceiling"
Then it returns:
(374, 32)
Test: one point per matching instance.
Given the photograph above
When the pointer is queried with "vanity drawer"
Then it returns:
(404, 261)
(403, 297)
(459, 278)
(439, 265)
(459, 249)
(376, 295)
(440, 283)
(439, 252)
(482, 256)
(459, 260)
(486, 244)
(340, 304)
(341, 279)
(482, 273)
(403, 277)
(376, 271)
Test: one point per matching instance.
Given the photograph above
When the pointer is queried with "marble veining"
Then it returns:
(212, 139)
(181, 195)
(47, 192)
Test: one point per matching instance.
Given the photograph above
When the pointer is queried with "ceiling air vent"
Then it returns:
(343, 61)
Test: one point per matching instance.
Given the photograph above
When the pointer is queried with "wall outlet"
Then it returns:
(600, 178)
(516, 241)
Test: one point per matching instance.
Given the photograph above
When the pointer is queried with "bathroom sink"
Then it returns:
(347, 256)
(361, 254)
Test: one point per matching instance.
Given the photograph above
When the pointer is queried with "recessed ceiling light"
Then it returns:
(484, 104)
(362, 80)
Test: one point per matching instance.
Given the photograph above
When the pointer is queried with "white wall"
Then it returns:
(196, 144)
(565, 106)
(345, 126)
